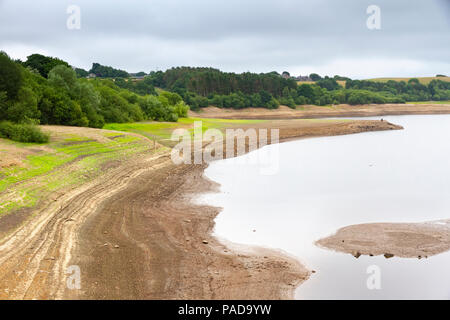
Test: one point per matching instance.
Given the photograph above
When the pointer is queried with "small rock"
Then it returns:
(357, 255)
(116, 246)
(388, 255)
(205, 242)
(105, 245)
(313, 271)
(105, 232)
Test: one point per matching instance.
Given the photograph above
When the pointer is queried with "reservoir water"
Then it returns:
(327, 183)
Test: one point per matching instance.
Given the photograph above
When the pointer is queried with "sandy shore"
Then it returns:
(135, 234)
(310, 112)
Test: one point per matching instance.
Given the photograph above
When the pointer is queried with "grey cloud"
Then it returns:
(233, 35)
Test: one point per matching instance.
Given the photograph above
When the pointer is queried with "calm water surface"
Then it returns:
(327, 183)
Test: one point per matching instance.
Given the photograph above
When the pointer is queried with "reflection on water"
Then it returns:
(327, 183)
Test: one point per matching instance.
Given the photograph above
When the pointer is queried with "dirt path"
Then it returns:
(135, 234)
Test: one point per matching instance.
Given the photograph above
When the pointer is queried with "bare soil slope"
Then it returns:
(310, 112)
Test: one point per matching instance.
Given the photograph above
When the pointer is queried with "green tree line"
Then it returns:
(201, 87)
(30, 93)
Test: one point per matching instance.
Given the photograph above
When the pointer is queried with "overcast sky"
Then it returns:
(324, 36)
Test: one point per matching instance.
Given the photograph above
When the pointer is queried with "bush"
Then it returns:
(181, 109)
(22, 132)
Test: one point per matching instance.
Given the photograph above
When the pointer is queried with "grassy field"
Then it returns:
(340, 82)
(35, 171)
(423, 80)
(162, 131)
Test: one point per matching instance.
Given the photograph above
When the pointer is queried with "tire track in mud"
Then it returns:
(148, 242)
(34, 258)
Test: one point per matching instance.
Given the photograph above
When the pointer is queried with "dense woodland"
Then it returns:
(201, 87)
(46, 90)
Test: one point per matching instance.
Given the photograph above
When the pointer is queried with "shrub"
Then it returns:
(181, 109)
(22, 132)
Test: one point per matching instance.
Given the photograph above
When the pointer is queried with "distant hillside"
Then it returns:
(422, 80)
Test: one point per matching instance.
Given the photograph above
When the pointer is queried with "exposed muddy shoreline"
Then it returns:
(165, 247)
(136, 234)
(315, 112)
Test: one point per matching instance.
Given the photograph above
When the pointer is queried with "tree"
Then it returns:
(306, 90)
(158, 108)
(3, 105)
(10, 76)
(328, 83)
(143, 87)
(63, 77)
(107, 72)
(81, 73)
(315, 77)
(57, 108)
(173, 98)
(266, 97)
(43, 64)
(25, 109)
